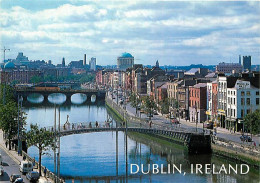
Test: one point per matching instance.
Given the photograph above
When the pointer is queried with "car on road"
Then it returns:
(245, 138)
(13, 177)
(26, 167)
(18, 180)
(155, 112)
(208, 125)
(33, 176)
(1, 170)
(175, 121)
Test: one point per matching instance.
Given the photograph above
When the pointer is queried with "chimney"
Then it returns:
(84, 60)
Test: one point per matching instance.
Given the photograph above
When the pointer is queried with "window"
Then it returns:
(234, 101)
(242, 93)
(229, 100)
(248, 111)
(248, 93)
(231, 112)
(234, 112)
(231, 92)
(242, 101)
(257, 93)
(257, 101)
(242, 113)
(228, 111)
(248, 101)
(234, 92)
(228, 92)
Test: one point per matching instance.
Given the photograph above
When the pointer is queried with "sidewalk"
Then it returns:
(14, 155)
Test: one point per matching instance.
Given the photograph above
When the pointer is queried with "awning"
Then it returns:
(208, 112)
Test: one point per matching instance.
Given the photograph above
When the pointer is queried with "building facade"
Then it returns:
(198, 102)
(92, 64)
(229, 67)
(242, 99)
(126, 60)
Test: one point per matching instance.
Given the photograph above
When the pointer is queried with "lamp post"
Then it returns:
(19, 130)
(196, 110)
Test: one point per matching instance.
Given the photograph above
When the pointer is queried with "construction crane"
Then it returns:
(4, 51)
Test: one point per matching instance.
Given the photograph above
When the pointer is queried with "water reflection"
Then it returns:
(57, 98)
(101, 157)
(78, 98)
(35, 98)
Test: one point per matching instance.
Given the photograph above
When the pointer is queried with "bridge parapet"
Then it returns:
(196, 143)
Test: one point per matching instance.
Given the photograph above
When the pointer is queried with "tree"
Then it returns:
(252, 122)
(9, 122)
(36, 79)
(42, 139)
(150, 105)
(6, 93)
(134, 101)
(165, 105)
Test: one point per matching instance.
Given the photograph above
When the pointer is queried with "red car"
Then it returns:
(175, 121)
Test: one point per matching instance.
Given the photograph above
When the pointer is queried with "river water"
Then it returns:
(102, 156)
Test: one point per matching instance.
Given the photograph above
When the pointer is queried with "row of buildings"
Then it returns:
(196, 95)
(21, 70)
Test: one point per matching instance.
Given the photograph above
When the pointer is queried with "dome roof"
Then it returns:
(125, 54)
(9, 65)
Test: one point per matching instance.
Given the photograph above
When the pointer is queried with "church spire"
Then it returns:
(157, 64)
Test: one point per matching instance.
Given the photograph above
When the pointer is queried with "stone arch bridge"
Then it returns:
(45, 92)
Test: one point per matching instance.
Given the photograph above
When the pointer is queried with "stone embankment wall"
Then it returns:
(242, 152)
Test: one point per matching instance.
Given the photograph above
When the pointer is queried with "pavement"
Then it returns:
(160, 120)
(11, 162)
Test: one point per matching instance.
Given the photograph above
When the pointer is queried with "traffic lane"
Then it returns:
(10, 167)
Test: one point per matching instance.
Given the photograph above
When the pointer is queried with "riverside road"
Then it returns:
(162, 121)
(10, 167)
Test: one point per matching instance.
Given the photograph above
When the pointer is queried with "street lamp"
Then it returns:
(19, 130)
(196, 117)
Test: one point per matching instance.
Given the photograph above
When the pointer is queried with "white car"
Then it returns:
(1, 170)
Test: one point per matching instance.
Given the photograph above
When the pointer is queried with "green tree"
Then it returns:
(150, 105)
(36, 79)
(6, 93)
(252, 122)
(165, 105)
(42, 139)
(9, 122)
(134, 101)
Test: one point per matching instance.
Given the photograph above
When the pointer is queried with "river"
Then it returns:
(102, 156)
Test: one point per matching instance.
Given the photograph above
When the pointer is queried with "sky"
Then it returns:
(173, 32)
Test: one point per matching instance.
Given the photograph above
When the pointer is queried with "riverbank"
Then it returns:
(226, 149)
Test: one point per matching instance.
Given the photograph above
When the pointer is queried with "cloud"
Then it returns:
(191, 31)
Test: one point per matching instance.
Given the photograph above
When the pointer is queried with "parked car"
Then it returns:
(246, 138)
(155, 112)
(208, 125)
(1, 170)
(33, 176)
(26, 167)
(18, 180)
(13, 177)
(175, 121)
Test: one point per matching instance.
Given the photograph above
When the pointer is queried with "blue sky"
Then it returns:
(173, 32)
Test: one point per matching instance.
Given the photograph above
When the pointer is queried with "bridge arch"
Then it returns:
(56, 98)
(93, 98)
(78, 98)
(34, 98)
